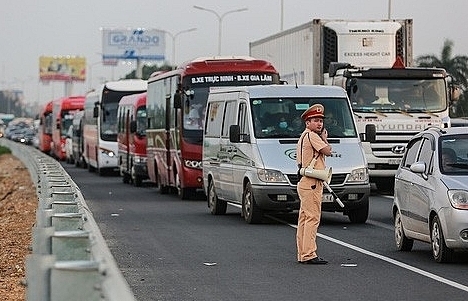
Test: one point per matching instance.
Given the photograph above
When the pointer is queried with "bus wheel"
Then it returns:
(252, 214)
(184, 193)
(125, 178)
(136, 179)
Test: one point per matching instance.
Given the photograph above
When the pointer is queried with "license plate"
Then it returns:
(394, 161)
(327, 198)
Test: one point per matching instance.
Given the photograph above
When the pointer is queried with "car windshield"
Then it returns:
(453, 157)
(398, 95)
(281, 117)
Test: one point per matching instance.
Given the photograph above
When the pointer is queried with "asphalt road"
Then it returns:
(172, 249)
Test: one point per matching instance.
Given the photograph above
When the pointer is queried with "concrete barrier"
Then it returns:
(70, 259)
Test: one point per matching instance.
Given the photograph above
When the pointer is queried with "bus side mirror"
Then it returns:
(234, 133)
(370, 135)
(133, 126)
(96, 112)
(177, 100)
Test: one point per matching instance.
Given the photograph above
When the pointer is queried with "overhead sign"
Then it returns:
(62, 68)
(145, 44)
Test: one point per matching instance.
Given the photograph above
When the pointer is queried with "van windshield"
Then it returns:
(281, 117)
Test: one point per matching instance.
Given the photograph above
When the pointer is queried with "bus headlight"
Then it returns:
(271, 175)
(193, 164)
(107, 152)
(358, 175)
(140, 159)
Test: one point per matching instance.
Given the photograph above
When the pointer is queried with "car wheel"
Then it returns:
(440, 251)
(359, 216)
(402, 242)
(217, 206)
(252, 214)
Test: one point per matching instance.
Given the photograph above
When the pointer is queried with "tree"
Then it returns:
(456, 66)
(148, 70)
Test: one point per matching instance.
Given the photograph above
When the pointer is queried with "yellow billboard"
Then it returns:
(62, 68)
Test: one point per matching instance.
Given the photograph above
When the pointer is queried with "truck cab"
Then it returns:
(390, 106)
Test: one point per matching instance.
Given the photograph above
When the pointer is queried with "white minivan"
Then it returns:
(249, 150)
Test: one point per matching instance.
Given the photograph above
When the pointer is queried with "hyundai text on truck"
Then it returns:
(372, 60)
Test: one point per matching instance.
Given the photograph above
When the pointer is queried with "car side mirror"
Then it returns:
(420, 168)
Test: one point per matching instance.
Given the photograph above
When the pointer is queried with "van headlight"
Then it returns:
(358, 175)
(458, 198)
(270, 175)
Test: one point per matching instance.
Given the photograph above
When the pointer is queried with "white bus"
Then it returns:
(100, 123)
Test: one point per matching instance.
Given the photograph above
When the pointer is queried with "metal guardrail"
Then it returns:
(70, 259)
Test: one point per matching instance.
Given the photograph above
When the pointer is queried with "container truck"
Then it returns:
(372, 60)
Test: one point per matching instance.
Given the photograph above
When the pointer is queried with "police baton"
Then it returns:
(337, 199)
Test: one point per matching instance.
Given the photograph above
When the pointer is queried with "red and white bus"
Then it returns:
(131, 138)
(176, 102)
(44, 131)
(100, 123)
(63, 110)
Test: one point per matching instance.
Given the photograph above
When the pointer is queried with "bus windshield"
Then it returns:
(281, 117)
(109, 121)
(66, 122)
(197, 90)
(141, 121)
(396, 95)
(194, 108)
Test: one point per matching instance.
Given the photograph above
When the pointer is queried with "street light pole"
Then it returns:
(389, 13)
(220, 20)
(174, 36)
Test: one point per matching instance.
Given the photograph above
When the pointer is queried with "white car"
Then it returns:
(431, 192)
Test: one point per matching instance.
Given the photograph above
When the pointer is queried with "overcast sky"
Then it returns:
(33, 28)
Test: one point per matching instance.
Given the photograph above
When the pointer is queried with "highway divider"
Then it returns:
(70, 259)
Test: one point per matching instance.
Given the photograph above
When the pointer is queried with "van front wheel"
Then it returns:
(252, 214)
(217, 206)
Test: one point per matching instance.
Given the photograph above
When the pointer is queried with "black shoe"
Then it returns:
(316, 260)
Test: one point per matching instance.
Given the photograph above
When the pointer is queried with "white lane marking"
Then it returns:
(384, 258)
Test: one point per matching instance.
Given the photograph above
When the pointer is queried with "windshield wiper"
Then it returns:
(423, 111)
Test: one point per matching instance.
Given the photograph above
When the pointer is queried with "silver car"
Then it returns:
(431, 192)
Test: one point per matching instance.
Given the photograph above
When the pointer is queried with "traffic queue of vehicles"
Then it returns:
(228, 127)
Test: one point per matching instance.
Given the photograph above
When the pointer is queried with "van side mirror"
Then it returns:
(370, 133)
(234, 133)
(133, 126)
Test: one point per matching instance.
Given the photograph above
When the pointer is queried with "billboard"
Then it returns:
(125, 44)
(62, 68)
